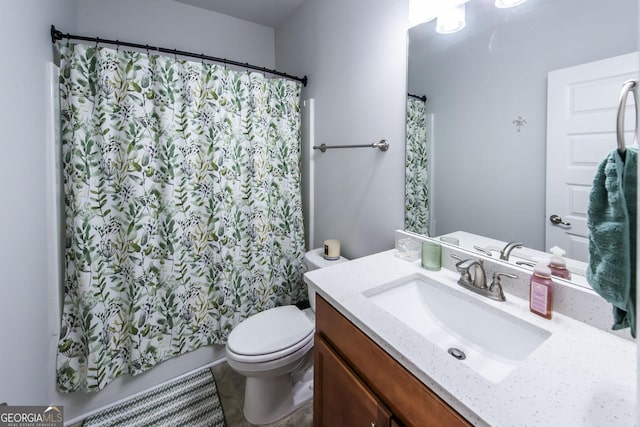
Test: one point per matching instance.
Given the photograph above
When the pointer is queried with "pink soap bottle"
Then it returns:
(541, 291)
(557, 264)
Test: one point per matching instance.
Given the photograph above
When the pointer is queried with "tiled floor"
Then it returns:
(231, 391)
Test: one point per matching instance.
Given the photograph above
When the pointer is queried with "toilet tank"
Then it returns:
(314, 259)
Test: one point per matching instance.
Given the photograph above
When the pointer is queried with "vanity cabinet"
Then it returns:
(345, 399)
(357, 383)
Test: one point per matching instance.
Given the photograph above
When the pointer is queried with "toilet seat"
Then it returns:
(262, 358)
(270, 335)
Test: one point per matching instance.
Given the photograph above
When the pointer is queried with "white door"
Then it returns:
(582, 103)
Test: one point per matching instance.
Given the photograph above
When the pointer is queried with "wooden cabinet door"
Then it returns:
(340, 397)
(412, 403)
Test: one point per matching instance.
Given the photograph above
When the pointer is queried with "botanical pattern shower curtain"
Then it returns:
(416, 208)
(182, 203)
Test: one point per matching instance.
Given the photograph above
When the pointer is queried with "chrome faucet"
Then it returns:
(478, 283)
(506, 251)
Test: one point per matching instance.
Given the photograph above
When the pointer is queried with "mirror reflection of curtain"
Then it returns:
(417, 169)
(183, 207)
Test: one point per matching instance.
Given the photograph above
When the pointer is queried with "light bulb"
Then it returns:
(502, 4)
(451, 20)
(420, 11)
(427, 10)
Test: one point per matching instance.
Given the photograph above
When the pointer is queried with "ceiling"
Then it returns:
(270, 13)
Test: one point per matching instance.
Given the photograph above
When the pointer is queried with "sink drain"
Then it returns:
(457, 353)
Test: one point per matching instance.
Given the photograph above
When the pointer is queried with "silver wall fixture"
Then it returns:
(383, 145)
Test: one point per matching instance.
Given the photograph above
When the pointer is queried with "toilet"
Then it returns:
(272, 349)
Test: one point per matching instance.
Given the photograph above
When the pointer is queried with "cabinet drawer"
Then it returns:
(409, 400)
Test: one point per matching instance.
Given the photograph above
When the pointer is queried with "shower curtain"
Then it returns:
(183, 207)
(416, 208)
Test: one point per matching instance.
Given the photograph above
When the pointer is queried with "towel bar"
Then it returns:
(628, 86)
(383, 145)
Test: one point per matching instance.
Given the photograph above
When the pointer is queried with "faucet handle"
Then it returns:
(463, 270)
(498, 274)
(465, 274)
(496, 286)
(465, 264)
(483, 250)
(527, 263)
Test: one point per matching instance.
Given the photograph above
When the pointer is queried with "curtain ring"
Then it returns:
(175, 55)
(97, 41)
(147, 47)
(117, 46)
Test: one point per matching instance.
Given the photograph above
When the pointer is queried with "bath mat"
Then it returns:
(190, 401)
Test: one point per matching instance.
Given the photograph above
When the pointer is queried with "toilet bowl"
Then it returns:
(272, 349)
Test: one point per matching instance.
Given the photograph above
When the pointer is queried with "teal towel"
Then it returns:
(612, 235)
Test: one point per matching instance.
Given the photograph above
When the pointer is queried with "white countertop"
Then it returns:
(580, 376)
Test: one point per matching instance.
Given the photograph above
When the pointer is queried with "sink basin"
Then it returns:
(488, 340)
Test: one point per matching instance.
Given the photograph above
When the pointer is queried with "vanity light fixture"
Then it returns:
(450, 14)
(421, 11)
(503, 4)
(451, 20)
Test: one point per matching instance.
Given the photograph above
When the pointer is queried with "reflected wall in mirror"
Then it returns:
(487, 106)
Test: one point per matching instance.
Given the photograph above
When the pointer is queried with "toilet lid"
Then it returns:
(270, 331)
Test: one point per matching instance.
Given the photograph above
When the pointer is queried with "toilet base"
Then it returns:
(267, 400)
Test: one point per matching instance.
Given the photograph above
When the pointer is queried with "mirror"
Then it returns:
(486, 110)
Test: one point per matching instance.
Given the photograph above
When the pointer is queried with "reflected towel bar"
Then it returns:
(383, 145)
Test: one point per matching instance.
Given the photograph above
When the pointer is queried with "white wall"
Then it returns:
(354, 54)
(490, 179)
(174, 25)
(25, 360)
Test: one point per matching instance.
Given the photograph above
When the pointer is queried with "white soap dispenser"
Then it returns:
(557, 263)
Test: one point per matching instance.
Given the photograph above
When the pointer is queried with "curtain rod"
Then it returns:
(59, 35)
(422, 98)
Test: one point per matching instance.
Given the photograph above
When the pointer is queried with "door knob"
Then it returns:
(556, 220)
